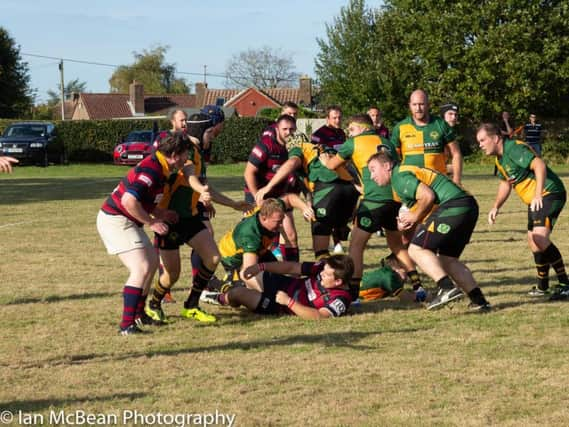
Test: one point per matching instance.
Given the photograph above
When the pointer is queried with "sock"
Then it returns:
(140, 305)
(158, 294)
(556, 260)
(196, 263)
(542, 267)
(130, 301)
(321, 254)
(477, 297)
(291, 254)
(200, 282)
(415, 279)
(445, 283)
(355, 288)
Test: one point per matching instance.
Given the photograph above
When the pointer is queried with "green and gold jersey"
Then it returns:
(406, 178)
(359, 149)
(177, 194)
(423, 146)
(514, 165)
(249, 236)
(308, 154)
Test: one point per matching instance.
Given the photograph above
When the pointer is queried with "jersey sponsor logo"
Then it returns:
(434, 135)
(268, 133)
(158, 198)
(338, 306)
(443, 228)
(315, 138)
(275, 168)
(365, 221)
(258, 152)
(265, 303)
(145, 179)
(420, 233)
(321, 211)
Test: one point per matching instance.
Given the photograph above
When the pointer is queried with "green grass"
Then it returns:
(391, 364)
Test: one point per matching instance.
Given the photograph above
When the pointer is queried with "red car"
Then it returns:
(134, 148)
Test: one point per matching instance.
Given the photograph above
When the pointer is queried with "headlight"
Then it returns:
(120, 149)
(36, 145)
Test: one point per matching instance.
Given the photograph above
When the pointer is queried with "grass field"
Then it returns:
(390, 365)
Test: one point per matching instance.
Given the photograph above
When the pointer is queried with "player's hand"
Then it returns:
(210, 210)
(6, 163)
(251, 271)
(407, 217)
(260, 196)
(282, 298)
(205, 196)
(403, 225)
(159, 227)
(308, 214)
(536, 203)
(243, 206)
(492, 215)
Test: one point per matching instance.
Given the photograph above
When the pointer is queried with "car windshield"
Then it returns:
(142, 136)
(28, 130)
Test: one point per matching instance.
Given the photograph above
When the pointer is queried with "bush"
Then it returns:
(237, 139)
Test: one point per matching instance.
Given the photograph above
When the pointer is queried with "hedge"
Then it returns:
(237, 139)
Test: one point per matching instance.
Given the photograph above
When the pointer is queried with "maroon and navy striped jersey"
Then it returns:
(329, 137)
(309, 291)
(145, 182)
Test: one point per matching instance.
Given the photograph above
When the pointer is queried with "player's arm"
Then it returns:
(284, 171)
(504, 190)
(331, 162)
(222, 199)
(425, 198)
(296, 202)
(250, 175)
(283, 267)
(134, 208)
(456, 156)
(537, 166)
(301, 310)
(189, 173)
(252, 282)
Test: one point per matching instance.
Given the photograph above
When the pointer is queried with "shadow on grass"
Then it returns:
(41, 404)
(348, 339)
(14, 191)
(58, 298)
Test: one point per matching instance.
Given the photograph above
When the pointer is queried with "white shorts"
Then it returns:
(120, 234)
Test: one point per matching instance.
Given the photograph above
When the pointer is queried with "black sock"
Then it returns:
(199, 284)
(445, 283)
(158, 294)
(355, 288)
(477, 297)
(554, 258)
(542, 267)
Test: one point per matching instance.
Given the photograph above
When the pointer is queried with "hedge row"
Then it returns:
(94, 140)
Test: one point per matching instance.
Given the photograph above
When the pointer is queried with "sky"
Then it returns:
(198, 33)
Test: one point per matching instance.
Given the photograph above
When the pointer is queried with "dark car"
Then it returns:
(134, 148)
(32, 142)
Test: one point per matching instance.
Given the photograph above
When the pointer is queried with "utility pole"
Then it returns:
(62, 90)
(205, 74)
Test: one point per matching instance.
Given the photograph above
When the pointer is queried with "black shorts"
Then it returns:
(372, 216)
(178, 234)
(449, 228)
(548, 214)
(333, 204)
(202, 212)
(272, 283)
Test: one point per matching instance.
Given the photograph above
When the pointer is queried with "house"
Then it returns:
(245, 102)
(248, 102)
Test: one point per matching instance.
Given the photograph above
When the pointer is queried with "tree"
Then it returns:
(487, 56)
(16, 97)
(72, 86)
(261, 68)
(150, 69)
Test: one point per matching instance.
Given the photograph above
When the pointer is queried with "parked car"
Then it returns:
(134, 148)
(32, 142)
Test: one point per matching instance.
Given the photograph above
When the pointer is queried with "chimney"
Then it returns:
(200, 94)
(136, 98)
(305, 91)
